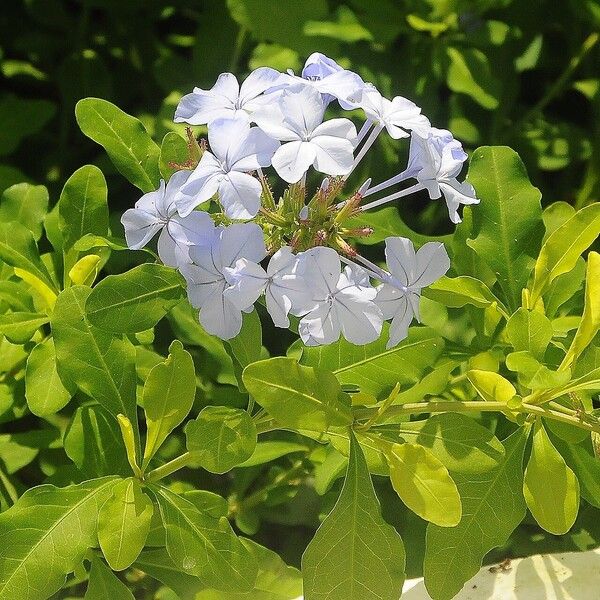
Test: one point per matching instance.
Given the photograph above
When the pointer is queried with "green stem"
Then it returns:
(237, 50)
(258, 496)
(169, 467)
(557, 87)
(476, 406)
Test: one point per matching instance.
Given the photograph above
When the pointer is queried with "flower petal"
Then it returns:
(400, 323)
(203, 106)
(293, 159)
(226, 137)
(256, 83)
(239, 195)
(241, 240)
(255, 152)
(341, 128)
(140, 227)
(220, 317)
(247, 280)
(320, 267)
(334, 155)
(170, 252)
(432, 263)
(320, 326)
(360, 319)
(401, 259)
(389, 299)
(455, 194)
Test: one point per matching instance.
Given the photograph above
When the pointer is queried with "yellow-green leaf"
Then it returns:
(564, 246)
(590, 321)
(550, 487)
(492, 386)
(424, 484)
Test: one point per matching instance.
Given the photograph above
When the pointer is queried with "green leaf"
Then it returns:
(297, 396)
(457, 292)
(507, 225)
(246, 346)
(103, 584)
(586, 467)
(83, 207)
(173, 149)
(20, 118)
(529, 330)
(93, 442)
(355, 554)
(158, 564)
(18, 249)
(124, 523)
(20, 327)
(221, 438)
(136, 300)
(564, 246)
(387, 222)
(372, 367)
(492, 507)
(492, 386)
(26, 204)
(89, 241)
(124, 138)
(424, 484)
(550, 487)
(45, 392)
(563, 288)
(347, 28)
(275, 580)
(203, 546)
(533, 374)
(265, 452)
(589, 381)
(169, 394)
(45, 536)
(457, 441)
(469, 73)
(100, 364)
(16, 296)
(590, 321)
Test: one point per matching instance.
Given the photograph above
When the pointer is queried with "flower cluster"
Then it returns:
(219, 220)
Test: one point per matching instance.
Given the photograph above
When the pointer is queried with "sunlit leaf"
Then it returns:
(124, 523)
(550, 487)
(46, 535)
(424, 484)
(355, 554)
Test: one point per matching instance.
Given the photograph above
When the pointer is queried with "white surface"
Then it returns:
(570, 576)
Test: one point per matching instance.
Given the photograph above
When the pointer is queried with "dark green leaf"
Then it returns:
(124, 138)
(136, 300)
(507, 224)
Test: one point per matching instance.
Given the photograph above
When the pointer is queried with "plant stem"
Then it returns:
(169, 467)
(475, 406)
(558, 86)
